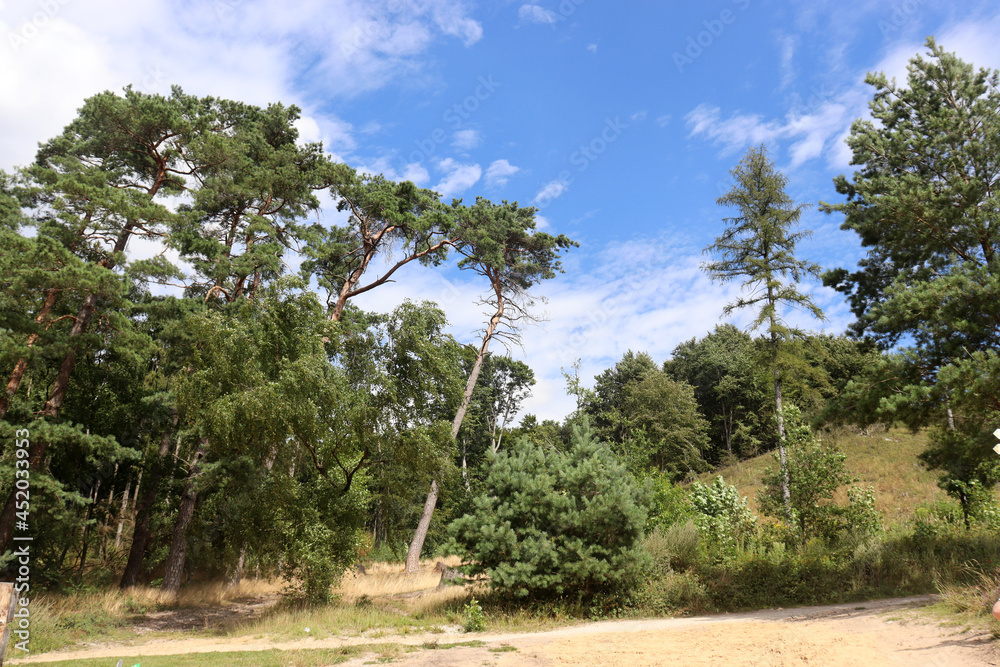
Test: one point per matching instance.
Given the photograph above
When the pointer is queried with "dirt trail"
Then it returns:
(886, 632)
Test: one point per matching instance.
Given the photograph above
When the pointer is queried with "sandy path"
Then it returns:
(886, 632)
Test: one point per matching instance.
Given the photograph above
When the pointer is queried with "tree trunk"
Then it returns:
(179, 544)
(236, 576)
(465, 470)
(785, 490)
(22, 364)
(144, 508)
(417, 544)
(86, 529)
(121, 514)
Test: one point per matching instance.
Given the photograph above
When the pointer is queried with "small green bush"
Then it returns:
(673, 593)
(815, 472)
(549, 524)
(475, 618)
(675, 547)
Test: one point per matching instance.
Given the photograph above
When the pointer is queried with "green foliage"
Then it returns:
(265, 392)
(671, 503)
(723, 517)
(607, 407)
(650, 419)
(669, 586)
(385, 217)
(475, 618)
(500, 241)
(550, 524)
(815, 472)
(924, 203)
(502, 387)
(758, 247)
(732, 392)
(663, 415)
(861, 515)
(674, 547)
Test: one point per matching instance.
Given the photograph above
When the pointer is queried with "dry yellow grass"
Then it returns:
(886, 460)
(384, 579)
(217, 593)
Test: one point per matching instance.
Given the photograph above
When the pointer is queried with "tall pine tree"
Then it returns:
(758, 247)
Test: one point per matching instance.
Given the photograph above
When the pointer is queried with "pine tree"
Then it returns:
(551, 524)
(498, 242)
(758, 246)
(924, 203)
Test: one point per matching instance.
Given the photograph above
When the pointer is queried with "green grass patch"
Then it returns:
(339, 620)
(503, 648)
(470, 644)
(269, 658)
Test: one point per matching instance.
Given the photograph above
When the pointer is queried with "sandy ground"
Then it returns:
(887, 632)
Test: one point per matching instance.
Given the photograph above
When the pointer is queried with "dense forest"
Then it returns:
(223, 416)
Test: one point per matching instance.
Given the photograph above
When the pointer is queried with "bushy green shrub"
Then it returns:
(861, 517)
(673, 593)
(550, 524)
(675, 547)
(671, 503)
(930, 519)
(723, 517)
(815, 472)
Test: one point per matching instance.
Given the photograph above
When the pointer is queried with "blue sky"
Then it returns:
(620, 121)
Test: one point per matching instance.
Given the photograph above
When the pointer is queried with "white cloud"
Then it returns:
(417, 173)
(551, 190)
(821, 127)
(466, 139)
(211, 48)
(541, 222)
(787, 44)
(638, 116)
(451, 20)
(498, 173)
(811, 133)
(308, 129)
(536, 14)
(592, 48)
(663, 120)
(458, 178)
(413, 171)
(733, 133)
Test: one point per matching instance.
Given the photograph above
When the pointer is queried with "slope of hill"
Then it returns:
(886, 460)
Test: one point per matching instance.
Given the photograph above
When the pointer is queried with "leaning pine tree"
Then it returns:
(758, 247)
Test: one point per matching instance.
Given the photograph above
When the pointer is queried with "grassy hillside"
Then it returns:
(886, 460)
